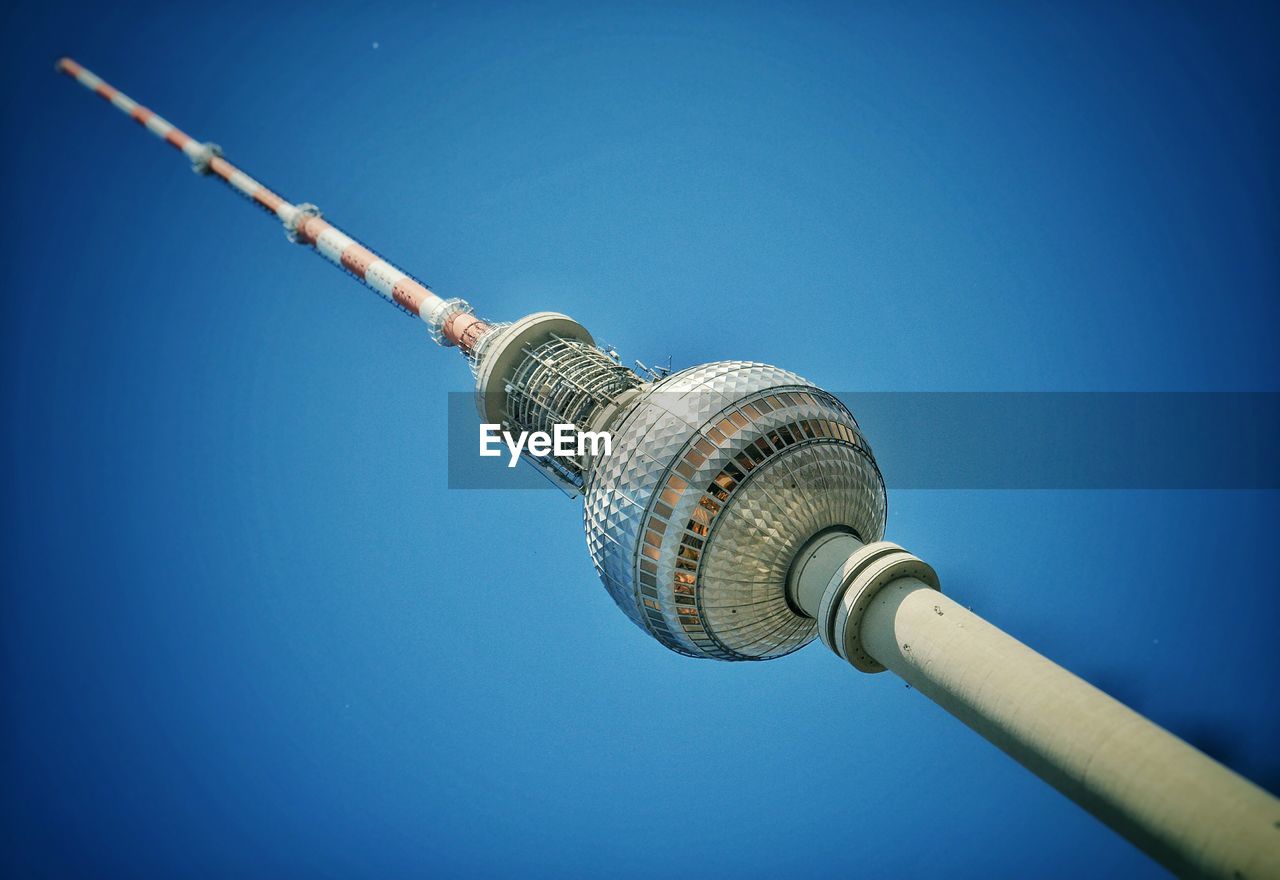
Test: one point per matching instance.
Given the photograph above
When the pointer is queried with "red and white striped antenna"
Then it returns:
(450, 321)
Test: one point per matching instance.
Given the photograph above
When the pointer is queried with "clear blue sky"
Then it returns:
(247, 631)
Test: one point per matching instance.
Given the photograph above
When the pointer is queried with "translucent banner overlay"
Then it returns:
(1010, 440)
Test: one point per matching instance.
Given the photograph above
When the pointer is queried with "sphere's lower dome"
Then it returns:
(718, 475)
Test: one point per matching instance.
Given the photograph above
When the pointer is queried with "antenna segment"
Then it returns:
(451, 321)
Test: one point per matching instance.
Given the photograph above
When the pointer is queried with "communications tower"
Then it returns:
(741, 514)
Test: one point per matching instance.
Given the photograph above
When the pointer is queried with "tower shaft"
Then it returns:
(882, 610)
(1184, 809)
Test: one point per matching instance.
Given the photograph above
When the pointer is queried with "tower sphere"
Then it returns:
(719, 475)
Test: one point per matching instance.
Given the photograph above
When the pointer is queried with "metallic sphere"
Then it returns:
(719, 475)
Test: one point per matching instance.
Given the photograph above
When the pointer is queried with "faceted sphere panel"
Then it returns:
(718, 476)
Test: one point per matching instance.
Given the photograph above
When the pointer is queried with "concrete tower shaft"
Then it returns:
(882, 609)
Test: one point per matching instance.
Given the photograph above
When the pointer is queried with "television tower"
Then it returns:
(741, 514)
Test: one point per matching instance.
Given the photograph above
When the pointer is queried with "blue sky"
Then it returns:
(248, 630)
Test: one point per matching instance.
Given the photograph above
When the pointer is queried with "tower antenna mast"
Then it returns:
(451, 322)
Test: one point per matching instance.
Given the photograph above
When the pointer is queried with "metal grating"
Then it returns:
(563, 381)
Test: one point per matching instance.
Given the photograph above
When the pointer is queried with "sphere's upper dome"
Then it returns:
(718, 475)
